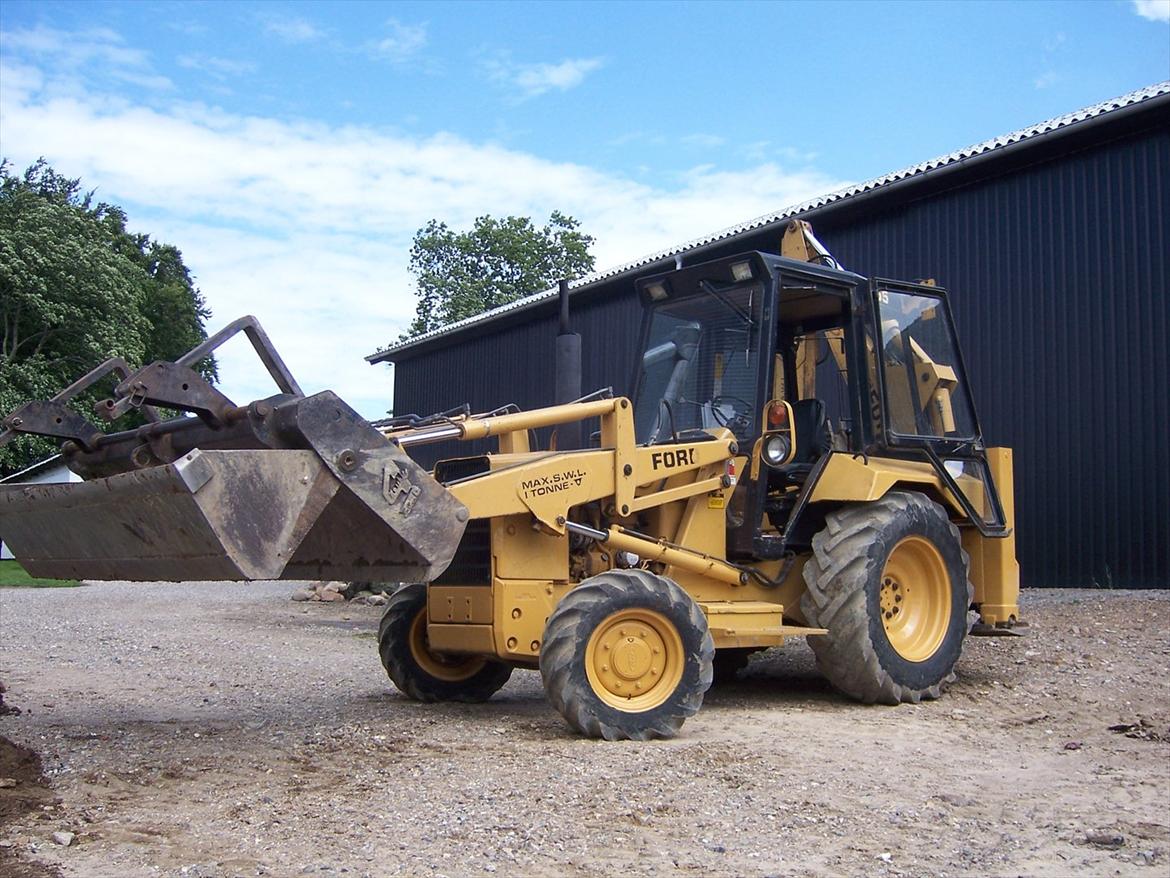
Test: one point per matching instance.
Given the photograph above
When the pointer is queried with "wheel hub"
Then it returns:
(915, 599)
(634, 659)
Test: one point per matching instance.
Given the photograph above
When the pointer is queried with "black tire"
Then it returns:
(421, 674)
(673, 686)
(728, 663)
(846, 589)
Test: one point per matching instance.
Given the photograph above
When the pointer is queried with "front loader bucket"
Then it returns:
(288, 487)
(240, 515)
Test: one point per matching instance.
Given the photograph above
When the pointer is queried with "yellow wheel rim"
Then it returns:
(451, 668)
(915, 599)
(634, 660)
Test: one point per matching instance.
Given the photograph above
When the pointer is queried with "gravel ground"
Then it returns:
(221, 730)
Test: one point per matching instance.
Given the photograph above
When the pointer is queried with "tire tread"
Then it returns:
(403, 671)
(835, 598)
(566, 633)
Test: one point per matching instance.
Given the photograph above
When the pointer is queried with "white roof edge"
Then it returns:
(39, 466)
(1099, 109)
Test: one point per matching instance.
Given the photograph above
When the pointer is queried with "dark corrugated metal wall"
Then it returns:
(1059, 281)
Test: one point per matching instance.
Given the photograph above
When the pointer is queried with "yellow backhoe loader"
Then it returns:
(800, 457)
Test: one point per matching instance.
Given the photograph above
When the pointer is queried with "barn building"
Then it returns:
(1053, 242)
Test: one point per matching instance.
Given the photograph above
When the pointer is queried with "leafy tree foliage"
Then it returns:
(461, 274)
(76, 288)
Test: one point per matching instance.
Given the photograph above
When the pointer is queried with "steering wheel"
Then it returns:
(737, 422)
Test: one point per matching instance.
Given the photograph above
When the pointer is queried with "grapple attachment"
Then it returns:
(291, 487)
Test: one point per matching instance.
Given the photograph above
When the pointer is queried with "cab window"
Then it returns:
(925, 394)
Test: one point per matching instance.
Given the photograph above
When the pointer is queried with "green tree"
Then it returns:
(461, 274)
(174, 307)
(76, 288)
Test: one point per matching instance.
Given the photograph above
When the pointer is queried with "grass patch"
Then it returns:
(12, 575)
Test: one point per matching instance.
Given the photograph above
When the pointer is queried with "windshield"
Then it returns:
(699, 368)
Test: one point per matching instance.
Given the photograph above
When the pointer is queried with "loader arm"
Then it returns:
(296, 487)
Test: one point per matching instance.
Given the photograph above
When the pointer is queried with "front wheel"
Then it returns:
(627, 655)
(888, 579)
(425, 675)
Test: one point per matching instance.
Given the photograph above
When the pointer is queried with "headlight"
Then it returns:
(657, 290)
(776, 450)
(741, 271)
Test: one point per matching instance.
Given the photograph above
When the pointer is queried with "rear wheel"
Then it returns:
(425, 675)
(627, 654)
(888, 579)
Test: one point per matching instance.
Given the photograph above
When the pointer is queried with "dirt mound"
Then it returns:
(30, 789)
(7, 709)
(23, 788)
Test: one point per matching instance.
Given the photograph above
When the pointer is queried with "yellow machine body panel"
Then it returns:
(743, 624)
(680, 494)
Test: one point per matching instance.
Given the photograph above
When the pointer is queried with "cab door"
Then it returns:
(927, 408)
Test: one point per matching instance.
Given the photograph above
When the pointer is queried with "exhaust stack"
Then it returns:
(568, 373)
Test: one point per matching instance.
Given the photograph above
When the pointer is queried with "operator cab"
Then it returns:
(722, 339)
(800, 361)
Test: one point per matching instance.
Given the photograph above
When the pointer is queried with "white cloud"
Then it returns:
(532, 80)
(1051, 50)
(72, 49)
(188, 28)
(220, 68)
(632, 137)
(95, 49)
(402, 43)
(292, 28)
(704, 141)
(1154, 10)
(308, 225)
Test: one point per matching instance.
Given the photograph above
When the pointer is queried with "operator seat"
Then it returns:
(810, 423)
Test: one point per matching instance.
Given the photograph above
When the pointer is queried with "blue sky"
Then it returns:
(291, 149)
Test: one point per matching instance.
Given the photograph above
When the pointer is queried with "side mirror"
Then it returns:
(777, 445)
